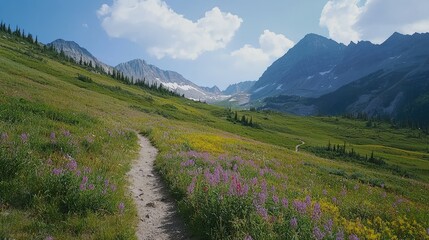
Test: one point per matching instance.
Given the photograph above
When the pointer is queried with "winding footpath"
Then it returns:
(299, 145)
(158, 219)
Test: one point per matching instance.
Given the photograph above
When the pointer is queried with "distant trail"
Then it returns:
(299, 145)
(158, 219)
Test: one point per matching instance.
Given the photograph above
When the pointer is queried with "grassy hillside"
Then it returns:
(66, 145)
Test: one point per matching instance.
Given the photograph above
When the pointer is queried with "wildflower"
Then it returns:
(275, 199)
(188, 163)
(285, 202)
(82, 187)
(106, 182)
(52, 137)
(353, 237)
(318, 234)
(84, 179)
(121, 207)
(299, 206)
(4, 136)
(113, 187)
(262, 197)
(324, 192)
(86, 170)
(72, 165)
(57, 171)
(328, 226)
(294, 223)
(334, 200)
(66, 133)
(235, 168)
(49, 238)
(78, 173)
(308, 200)
(263, 212)
(49, 162)
(248, 237)
(191, 186)
(91, 186)
(24, 137)
(317, 212)
(340, 236)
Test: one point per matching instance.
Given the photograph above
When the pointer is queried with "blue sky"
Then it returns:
(210, 42)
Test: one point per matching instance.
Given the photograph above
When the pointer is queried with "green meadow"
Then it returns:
(67, 143)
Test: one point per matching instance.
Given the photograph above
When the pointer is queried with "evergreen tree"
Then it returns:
(236, 116)
(36, 41)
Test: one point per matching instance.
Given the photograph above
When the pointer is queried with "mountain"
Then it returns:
(397, 86)
(241, 87)
(317, 65)
(304, 70)
(139, 70)
(73, 50)
(214, 90)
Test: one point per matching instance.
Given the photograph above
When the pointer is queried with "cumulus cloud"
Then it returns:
(271, 46)
(374, 20)
(155, 25)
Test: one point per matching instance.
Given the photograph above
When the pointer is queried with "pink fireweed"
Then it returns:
(285, 202)
(237, 188)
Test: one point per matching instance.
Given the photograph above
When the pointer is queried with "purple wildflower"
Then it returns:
(84, 179)
(262, 197)
(66, 133)
(82, 187)
(113, 187)
(52, 137)
(325, 192)
(427, 231)
(235, 168)
(106, 182)
(91, 186)
(121, 207)
(24, 137)
(191, 186)
(248, 237)
(308, 200)
(72, 165)
(263, 212)
(57, 171)
(334, 200)
(285, 202)
(4, 136)
(329, 226)
(294, 223)
(318, 234)
(86, 170)
(49, 238)
(276, 199)
(299, 206)
(353, 237)
(317, 212)
(340, 236)
(344, 192)
(78, 173)
(188, 163)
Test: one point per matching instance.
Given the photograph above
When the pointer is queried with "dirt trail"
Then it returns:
(299, 145)
(158, 219)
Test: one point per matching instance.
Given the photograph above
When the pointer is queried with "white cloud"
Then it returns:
(271, 47)
(374, 20)
(85, 25)
(164, 32)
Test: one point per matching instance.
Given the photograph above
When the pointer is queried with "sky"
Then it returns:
(210, 42)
